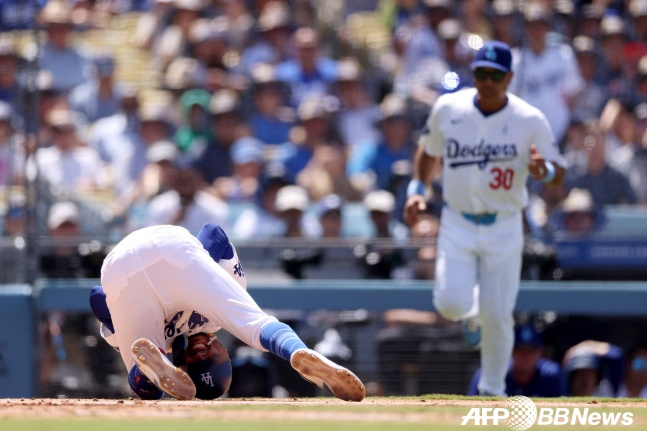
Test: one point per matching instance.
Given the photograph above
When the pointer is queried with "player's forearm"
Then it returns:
(423, 166)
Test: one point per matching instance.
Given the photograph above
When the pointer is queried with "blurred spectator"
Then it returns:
(588, 105)
(458, 55)
(157, 177)
(184, 74)
(474, 20)
(69, 166)
(12, 152)
(240, 21)
(424, 234)
(272, 39)
(10, 85)
(435, 12)
(127, 152)
(593, 368)
(315, 115)
(638, 12)
(208, 42)
(194, 132)
(106, 134)
(291, 204)
(329, 213)
(631, 159)
(590, 18)
(612, 41)
(174, 38)
(19, 15)
(68, 258)
(213, 160)
(634, 383)
(270, 121)
(382, 258)
(48, 99)
(376, 159)
(607, 185)
(262, 220)
(100, 97)
(546, 74)
(358, 112)
(641, 80)
(14, 220)
(576, 217)
(505, 23)
(247, 166)
(68, 66)
(187, 204)
(618, 122)
(529, 374)
(310, 71)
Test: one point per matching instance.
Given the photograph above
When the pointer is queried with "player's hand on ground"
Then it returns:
(415, 205)
(537, 166)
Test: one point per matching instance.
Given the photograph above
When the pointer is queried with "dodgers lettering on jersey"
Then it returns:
(485, 158)
(184, 322)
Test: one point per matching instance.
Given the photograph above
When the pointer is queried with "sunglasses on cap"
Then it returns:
(495, 75)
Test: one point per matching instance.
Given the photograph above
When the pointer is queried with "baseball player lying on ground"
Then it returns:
(164, 288)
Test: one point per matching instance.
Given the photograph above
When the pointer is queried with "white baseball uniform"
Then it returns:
(485, 168)
(160, 282)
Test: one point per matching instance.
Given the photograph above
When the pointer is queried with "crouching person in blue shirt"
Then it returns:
(529, 374)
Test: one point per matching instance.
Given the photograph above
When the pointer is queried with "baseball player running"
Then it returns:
(163, 288)
(489, 141)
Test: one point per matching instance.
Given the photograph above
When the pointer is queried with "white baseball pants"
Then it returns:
(477, 274)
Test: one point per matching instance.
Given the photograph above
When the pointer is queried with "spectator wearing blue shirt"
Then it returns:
(316, 130)
(272, 120)
(309, 72)
(376, 159)
(100, 97)
(529, 374)
(68, 66)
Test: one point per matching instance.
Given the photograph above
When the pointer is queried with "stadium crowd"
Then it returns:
(246, 97)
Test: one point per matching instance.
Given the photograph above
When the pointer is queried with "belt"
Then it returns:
(483, 218)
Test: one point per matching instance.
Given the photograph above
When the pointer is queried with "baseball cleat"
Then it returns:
(327, 375)
(157, 367)
(472, 333)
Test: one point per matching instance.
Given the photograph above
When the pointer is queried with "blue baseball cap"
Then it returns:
(212, 377)
(494, 54)
(526, 336)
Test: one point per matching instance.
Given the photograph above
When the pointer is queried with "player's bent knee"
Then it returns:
(452, 309)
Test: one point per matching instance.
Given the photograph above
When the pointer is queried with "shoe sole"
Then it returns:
(327, 375)
(152, 362)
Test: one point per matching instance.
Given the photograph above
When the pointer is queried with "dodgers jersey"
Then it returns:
(485, 158)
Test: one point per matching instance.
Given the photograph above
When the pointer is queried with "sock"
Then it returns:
(281, 340)
(142, 386)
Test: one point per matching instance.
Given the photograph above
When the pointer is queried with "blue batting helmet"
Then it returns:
(212, 377)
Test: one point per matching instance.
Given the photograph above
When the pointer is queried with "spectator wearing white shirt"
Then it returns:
(546, 74)
(69, 166)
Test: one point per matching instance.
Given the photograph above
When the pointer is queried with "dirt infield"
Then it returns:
(371, 409)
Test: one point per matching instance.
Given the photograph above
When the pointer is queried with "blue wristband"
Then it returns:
(550, 173)
(416, 187)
